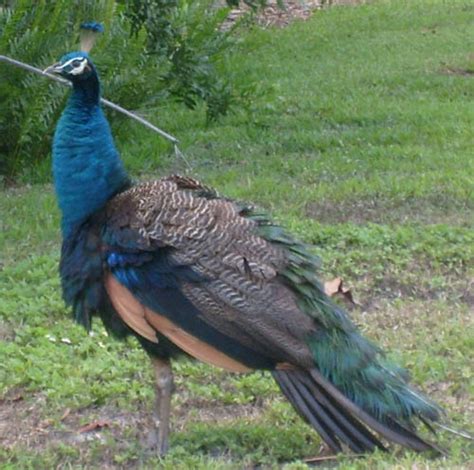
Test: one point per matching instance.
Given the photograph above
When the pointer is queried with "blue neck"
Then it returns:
(86, 165)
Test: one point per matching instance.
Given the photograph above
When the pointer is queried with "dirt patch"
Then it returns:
(21, 422)
(24, 420)
(432, 209)
(273, 15)
(458, 71)
(369, 293)
(392, 288)
(207, 412)
(7, 332)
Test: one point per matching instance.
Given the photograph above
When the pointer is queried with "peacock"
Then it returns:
(189, 272)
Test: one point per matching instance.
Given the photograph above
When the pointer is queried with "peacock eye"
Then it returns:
(76, 63)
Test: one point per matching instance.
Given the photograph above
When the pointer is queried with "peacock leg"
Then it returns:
(158, 438)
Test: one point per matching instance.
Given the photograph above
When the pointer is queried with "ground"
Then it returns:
(282, 13)
(359, 140)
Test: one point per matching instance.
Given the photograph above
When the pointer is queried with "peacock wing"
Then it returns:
(196, 260)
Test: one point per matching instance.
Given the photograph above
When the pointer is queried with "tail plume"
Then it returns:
(339, 420)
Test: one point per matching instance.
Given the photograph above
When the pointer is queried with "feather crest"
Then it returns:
(88, 35)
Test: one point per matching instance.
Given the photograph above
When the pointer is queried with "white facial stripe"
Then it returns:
(75, 70)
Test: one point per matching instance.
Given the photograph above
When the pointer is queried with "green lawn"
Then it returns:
(359, 138)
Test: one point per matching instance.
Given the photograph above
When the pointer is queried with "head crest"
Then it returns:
(89, 32)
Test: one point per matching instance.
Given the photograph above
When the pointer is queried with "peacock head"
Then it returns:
(74, 66)
(77, 66)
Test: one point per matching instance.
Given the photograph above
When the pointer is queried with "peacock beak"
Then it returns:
(54, 69)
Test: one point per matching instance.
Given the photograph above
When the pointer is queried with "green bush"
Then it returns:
(188, 35)
(152, 50)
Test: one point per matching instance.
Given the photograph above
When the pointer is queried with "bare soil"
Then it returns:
(275, 16)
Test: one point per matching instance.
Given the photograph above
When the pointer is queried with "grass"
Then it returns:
(359, 139)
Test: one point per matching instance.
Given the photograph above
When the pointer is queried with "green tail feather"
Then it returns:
(349, 361)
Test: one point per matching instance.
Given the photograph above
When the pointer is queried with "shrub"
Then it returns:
(152, 50)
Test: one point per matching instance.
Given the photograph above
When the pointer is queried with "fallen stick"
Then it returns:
(109, 104)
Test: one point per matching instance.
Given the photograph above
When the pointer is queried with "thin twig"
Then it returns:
(141, 120)
(324, 458)
(464, 434)
(107, 103)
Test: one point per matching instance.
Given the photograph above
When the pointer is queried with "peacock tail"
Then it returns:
(343, 356)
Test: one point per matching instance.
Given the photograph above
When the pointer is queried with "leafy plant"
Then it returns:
(36, 33)
(188, 36)
(153, 50)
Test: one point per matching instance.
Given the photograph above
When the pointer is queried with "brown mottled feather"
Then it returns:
(244, 298)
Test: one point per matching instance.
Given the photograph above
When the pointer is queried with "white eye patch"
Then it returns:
(75, 66)
(78, 69)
